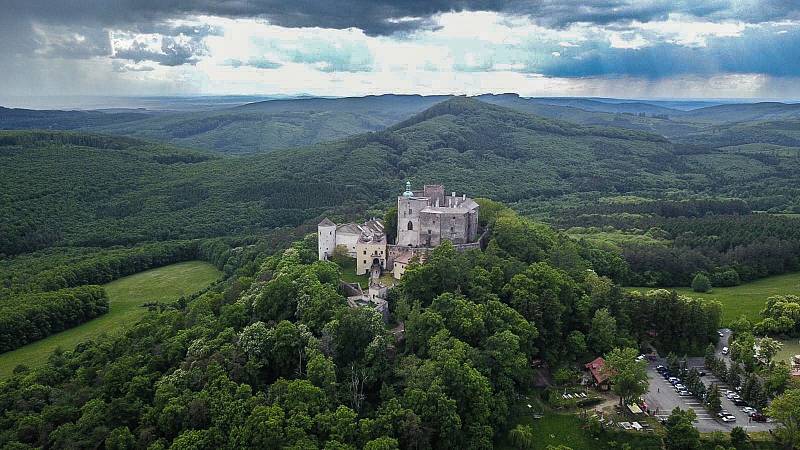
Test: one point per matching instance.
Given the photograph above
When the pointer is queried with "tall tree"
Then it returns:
(628, 376)
(714, 400)
(785, 409)
(767, 349)
(604, 331)
(681, 433)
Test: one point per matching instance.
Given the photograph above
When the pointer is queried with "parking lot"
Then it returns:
(662, 399)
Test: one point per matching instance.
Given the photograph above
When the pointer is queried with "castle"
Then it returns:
(425, 219)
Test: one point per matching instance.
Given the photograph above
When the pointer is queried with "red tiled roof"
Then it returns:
(596, 367)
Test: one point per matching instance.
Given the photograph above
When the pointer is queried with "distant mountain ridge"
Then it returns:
(273, 124)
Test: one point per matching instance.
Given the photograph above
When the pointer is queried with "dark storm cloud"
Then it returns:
(378, 17)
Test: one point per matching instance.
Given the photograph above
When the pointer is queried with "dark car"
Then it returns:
(739, 402)
(758, 417)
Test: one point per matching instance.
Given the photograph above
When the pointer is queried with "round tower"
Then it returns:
(326, 237)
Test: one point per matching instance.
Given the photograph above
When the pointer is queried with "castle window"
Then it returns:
(409, 211)
(452, 230)
(410, 226)
(365, 252)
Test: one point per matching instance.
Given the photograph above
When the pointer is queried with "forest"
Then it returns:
(29, 317)
(272, 356)
(701, 202)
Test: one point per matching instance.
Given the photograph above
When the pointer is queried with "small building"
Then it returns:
(374, 298)
(371, 248)
(400, 264)
(600, 378)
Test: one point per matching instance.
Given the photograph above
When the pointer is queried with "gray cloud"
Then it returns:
(121, 67)
(173, 51)
(72, 42)
(375, 17)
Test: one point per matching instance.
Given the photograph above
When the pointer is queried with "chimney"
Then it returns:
(437, 202)
(464, 197)
(454, 194)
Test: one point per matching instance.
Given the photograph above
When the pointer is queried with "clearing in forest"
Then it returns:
(746, 299)
(126, 296)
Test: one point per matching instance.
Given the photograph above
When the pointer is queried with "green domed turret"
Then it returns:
(408, 192)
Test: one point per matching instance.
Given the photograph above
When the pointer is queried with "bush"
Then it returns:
(701, 283)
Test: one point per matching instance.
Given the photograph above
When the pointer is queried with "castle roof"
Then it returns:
(326, 223)
(348, 228)
(403, 259)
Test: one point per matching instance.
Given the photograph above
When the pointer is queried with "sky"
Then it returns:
(607, 48)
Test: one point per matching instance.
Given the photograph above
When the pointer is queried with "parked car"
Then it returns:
(660, 368)
(748, 410)
(684, 393)
(740, 402)
(758, 417)
(724, 350)
(728, 419)
(721, 334)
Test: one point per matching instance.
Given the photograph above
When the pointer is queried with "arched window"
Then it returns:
(410, 226)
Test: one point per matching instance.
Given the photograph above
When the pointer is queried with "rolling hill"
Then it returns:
(87, 190)
(265, 126)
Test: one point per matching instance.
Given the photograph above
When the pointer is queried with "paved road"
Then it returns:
(723, 342)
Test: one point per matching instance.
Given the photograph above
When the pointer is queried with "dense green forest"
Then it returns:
(273, 357)
(27, 318)
(85, 190)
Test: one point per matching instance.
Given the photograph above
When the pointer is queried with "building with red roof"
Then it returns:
(600, 376)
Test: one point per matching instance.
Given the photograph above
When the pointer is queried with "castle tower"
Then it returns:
(408, 209)
(326, 237)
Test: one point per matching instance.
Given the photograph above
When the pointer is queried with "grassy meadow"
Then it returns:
(126, 296)
(746, 299)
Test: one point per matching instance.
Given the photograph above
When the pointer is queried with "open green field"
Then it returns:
(126, 296)
(746, 299)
